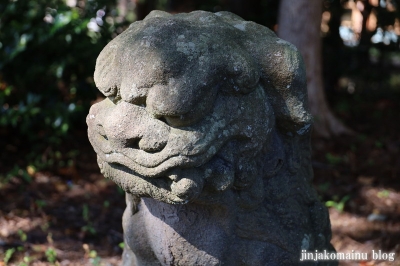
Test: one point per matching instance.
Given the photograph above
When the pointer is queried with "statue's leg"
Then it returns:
(137, 251)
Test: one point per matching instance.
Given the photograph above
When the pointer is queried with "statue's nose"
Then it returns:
(130, 126)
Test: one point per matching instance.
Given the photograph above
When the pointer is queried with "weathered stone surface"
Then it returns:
(206, 128)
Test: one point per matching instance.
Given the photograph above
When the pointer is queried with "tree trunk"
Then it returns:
(299, 22)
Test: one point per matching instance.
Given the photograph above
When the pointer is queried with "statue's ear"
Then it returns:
(281, 72)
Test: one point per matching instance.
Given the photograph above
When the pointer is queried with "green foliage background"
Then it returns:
(47, 59)
(46, 68)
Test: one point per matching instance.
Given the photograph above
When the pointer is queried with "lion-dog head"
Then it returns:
(197, 105)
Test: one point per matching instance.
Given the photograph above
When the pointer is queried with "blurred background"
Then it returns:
(56, 208)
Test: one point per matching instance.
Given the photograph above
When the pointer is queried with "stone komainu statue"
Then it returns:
(206, 128)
